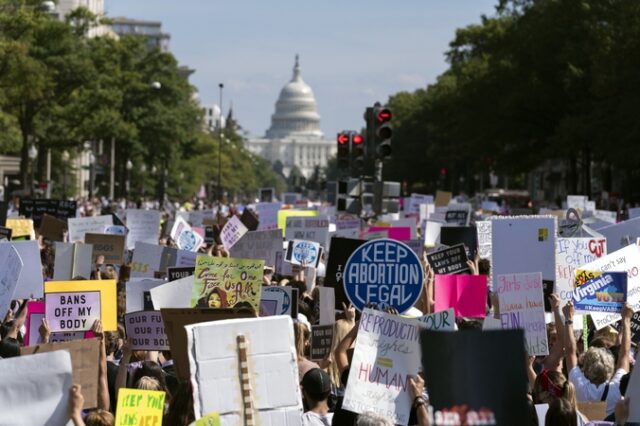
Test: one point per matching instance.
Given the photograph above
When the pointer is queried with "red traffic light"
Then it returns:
(343, 138)
(357, 139)
(383, 115)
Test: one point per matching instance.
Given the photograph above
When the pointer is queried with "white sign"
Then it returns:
(259, 245)
(174, 294)
(72, 260)
(144, 226)
(10, 269)
(310, 228)
(232, 231)
(137, 290)
(571, 254)
(416, 200)
(348, 228)
(151, 258)
(432, 233)
(30, 282)
(87, 225)
(606, 215)
(484, 239)
(185, 237)
(303, 253)
(268, 215)
(440, 321)
(577, 202)
(621, 234)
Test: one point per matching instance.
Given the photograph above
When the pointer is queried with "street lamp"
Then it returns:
(65, 160)
(33, 153)
(156, 85)
(129, 166)
(221, 86)
(92, 173)
(143, 169)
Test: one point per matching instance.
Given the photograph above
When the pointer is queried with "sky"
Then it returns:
(352, 52)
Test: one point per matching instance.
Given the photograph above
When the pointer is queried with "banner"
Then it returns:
(521, 306)
(466, 294)
(139, 407)
(607, 292)
(308, 228)
(232, 231)
(108, 297)
(185, 237)
(36, 209)
(78, 227)
(259, 245)
(452, 260)
(145, 331)
(225, 282)
(387, 350)
(72, 311)
(321, 338)
(111, 247)
(571, 254)
(11, 266)
(440, 321)
(385, 272)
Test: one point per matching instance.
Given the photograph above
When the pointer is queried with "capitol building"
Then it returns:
(295, 138)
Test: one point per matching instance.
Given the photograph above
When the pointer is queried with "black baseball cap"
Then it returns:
(317, 383)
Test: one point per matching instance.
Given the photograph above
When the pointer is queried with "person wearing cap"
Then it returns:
(316, 387)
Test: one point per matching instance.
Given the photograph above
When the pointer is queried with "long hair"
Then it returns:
(561, 413)
(340, 329)
(203, 302)
(302, 336)
(551, 385)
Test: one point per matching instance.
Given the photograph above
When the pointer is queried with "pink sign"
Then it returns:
(72, 311)
(400, 233)
(35, 314)
(466, 294)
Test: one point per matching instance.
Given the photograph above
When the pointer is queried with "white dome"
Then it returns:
(296, 113)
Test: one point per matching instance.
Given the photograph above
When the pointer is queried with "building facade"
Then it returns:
(294, 138)
(64, 7)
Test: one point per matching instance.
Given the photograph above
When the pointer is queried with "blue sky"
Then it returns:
(352, 52)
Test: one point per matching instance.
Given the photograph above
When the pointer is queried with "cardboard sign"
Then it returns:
(259, 245)
(621, 234)
(35, 389)
(385, 272)
(232, 231)
(145, 330)
(108, 297)
(30, 277)
(143, 225)
(151, 258)
(72, 260)
(185, 237)
(494, 394)
(175, 321)
(268, 215)
(339, 252)
(571, 254)
(51, 228)
(308, 228)
(72, 311)
(85, 356)
(607, 292)
(624, 260)
(80, 226)
(11, 267)
(138, 294)
(454, 235)
(321, 338)
(443, 198)
(111, 247)
(175, 294)
(440, 321)
(521, 306)
(226, 282)
(5, 233)
(270, 354)
(387, 350)
(21, 228)
(452, 260)
(36, 209)
(139, 407)
(466, 294)
(174, 274)
(304, 253)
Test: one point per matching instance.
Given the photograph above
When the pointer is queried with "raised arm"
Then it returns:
(342, 360)
(103, 383)
(121, 377)
(569, 339)
(554, 360)
(625, 344)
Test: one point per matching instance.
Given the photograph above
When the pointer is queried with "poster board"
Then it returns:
(51, 228)
(72, 260)
(139, 407)
(11, 267)
(75, 311)
(571, 254)
(78, 227)
(151, 258)
(232, 231)
(268, 215)
(259, 245)
(145, 330)
(340, 250)
(621, 234)
(452, 260)
(143, 225)
(30, 277)
(308, 228)
(321, 338)
(466, 294)
(138, 294)
(440, 321)
(174, 294)
(467, 235)
(284, 214)
(108, 296)
(21, 228)
(443, 198)
(111, 247)
(185, 237)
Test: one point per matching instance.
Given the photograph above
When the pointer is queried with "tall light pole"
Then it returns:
(221, 86)
(127, 183)
(65, 160)
(33, 154)
(92, 173)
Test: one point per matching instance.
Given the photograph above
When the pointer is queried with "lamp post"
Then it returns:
(127, 183)
(221, 86)
(92, 173)
(143, 169)
(33, 154)
(180, 185)
(65, 160)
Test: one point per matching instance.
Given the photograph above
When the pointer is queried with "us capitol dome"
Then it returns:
(295, 138)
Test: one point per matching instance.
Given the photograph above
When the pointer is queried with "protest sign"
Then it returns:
(466, 294)
(432, 232)
(21, 228)
(30, 280)
(232, 231)
(51, 228)
(227, 282)
(185, 237)
(633, 395)
(268, 215)
(395, 233)
(151, 258)
(175, 294)
(138, 296)
(72, 311)
(326, 306)
(211, 419)
(85, 356)
(78, 227)
(624, 260)
(387, 350)
(571, 254)
(115, 230)
(607, 292)
(493, 395)
(108, 297)
(72, 260)
(442, 198)
(174, 274)
(521, 306)
(371, 235)
(5, 233)
(621, 234)
(11, 267)
(304, 253)
(321, 337)
(523, 244)
(467, 235)
(452, 260)
(35, 389)
(139, 407)
(266, 194)
(249, 220)
(385, 272)
(283, 215)
(274, 301)
(143, 225)
(417, 246)
(458, 214)
(308, 228)
(347, 226)
(33, 320)
(259, 245)
(270, 354)
(416, 200)
(111, 247)
(36, 209)
(339, 252)
(145, 331)
(442, 321)
(577, 202)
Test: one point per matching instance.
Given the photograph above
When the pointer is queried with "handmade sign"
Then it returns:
(458, 215)
(454, 235)
(174, 274)
(624, 260)
(36, 209)
(144, 226)
(175, 294)
(11, 266)
(185, 237)
(72, 260)
(347, 227)
(108, 297)
(145, 331)
(442, 321)
(151, 258)
(339, 252)
(606, 292)
(571, 254)
(326, 306)
(466, 294)
(308, 228)
(35, 389)
(270, 354)
(138, 296)
(30, 280)
(111, 247)
(72, 311)
(452, 260)
(85, 356)
(268, 215)
(259, 245)
(227, 282)
(492, 395)
(139, 407)
(304, 253)
(577, 202)
(232, 231)
(78, 227)
(521, 306)
(21, 228)
(51, 228)
(321, 338)
(384, 272)
(387, 351)
(416, 200)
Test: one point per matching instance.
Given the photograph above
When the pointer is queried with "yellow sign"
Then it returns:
(108, 297)
(139, 407)
(284, 214)
(211, 419)
(21, 228)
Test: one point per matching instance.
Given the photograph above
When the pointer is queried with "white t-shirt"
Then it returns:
(314, 419)
(588, 392)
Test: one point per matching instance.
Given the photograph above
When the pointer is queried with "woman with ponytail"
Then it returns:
(551, 385)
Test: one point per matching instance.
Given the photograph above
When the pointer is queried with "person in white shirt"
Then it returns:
(316, 387)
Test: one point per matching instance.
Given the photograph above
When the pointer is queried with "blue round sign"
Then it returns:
(385, 272)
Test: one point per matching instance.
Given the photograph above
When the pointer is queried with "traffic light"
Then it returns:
(343, 150)
(358, 152)
(382, 131)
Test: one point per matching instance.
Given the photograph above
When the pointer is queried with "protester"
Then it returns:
(316, 388)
